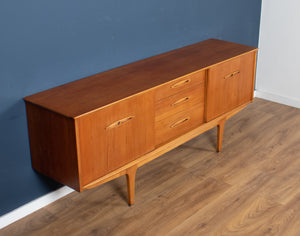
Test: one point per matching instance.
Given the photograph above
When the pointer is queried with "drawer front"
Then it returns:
(180, 84)
(179, 102)
(229, 85)
(115, 135)
(178, 124)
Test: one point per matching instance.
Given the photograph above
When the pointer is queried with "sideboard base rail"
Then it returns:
(130, 169)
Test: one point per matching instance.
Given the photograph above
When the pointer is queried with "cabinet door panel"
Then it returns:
(115, 135)
(229, 85)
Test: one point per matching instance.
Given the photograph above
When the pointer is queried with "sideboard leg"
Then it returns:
(221, 126)
(130, 175)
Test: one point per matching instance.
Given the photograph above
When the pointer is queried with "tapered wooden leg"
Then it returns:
(130, 175)
(221, 126)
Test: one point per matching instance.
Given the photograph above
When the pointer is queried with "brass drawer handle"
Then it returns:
(119, 122)
(181, 83)
(179, 122)
(232, 74)
(180, 101)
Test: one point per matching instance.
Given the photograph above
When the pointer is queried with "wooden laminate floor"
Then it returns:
(251, 188)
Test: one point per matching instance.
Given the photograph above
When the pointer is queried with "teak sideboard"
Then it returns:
(93, 130)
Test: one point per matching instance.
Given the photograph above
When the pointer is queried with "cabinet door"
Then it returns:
(229, 85)
(115, 135)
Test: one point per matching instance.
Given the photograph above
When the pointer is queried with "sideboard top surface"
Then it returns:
(85, 95)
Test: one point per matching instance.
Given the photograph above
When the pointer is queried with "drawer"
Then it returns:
(229, 85)
(181, 101)
(178, 124)
(180, 84)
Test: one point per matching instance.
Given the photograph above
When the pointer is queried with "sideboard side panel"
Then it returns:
(53, 145)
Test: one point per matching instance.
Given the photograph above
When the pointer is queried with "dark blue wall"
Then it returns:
(47, 43)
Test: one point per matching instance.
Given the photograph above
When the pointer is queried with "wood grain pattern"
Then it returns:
(163, 148)
(103, 149)
(184, 100)
(229, 85)
(179, 85)
(53, 145)
(192, 190)
(105, 88)
(179, 107)
(117, 116)
(178, 124)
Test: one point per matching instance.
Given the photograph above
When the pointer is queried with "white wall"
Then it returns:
(278, 68)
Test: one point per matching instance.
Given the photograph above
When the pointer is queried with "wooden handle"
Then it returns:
(119, 122)
(179, 122)
(181, 83)
(232, 74)
(180, 101)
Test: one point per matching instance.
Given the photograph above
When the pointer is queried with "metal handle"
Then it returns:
(179, 122)
(119, 122)
(232, 74)
(180, 101)
(183, 82)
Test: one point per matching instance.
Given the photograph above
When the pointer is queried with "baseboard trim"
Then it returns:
(33, 206)
(277, 98)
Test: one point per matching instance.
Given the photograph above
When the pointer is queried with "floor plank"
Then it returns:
(250, 188)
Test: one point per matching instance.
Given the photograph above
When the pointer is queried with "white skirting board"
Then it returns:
(33, 206)
(43, 201)
(277, 98)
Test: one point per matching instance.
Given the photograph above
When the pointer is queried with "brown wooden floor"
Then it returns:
(251, 188)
